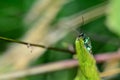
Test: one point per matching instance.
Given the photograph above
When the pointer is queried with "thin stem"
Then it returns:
(36, 45)
(50, 67)
(63, 65)
(40, 69)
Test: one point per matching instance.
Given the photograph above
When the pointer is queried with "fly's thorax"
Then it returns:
(87, 42)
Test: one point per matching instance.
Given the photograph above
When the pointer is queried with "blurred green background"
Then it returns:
(103, 31)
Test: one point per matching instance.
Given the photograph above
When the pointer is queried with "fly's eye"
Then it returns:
(81, 35)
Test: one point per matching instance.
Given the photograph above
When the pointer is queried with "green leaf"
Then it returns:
(87, 65)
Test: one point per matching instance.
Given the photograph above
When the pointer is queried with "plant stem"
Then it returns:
(36, 45)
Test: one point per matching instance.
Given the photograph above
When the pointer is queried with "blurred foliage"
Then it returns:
(11, 25)
(113, 20)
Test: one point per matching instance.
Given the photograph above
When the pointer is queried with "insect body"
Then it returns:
(87, 42)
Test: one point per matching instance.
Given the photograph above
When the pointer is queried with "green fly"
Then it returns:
(87, 66)
(87, 42)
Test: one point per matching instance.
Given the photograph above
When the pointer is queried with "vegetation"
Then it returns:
(37, 38)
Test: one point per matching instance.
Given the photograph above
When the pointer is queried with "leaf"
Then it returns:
(87, 65)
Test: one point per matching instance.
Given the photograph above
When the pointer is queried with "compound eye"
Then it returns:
(81, 35)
